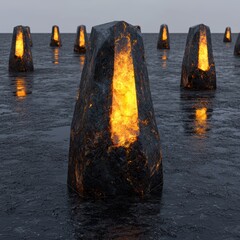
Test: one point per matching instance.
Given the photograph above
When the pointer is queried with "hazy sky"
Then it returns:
(40, 15)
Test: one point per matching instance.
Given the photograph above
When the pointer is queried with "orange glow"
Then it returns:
(56, 55)
(228, 34)
(19, 45)
(82, 60)
(203, 62)
(164, 34)
(124, 114)
(21, 90)
(55, 34)
(201, 121)
(82, 38)
(164, 60)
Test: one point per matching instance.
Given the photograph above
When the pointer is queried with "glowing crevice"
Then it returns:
(19, 47)
(124, 114)
(203, 62)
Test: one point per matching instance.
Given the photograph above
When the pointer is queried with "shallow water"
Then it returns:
(200, 144)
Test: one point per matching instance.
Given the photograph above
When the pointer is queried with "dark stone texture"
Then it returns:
(163, 44)
(237, 46)
(192, 77)
(29, 35)
(138, 28)
(77, 47)
(55, 43)
(225, 39)
(24, 63)
(97, 167)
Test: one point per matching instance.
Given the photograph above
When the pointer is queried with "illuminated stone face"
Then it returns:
(55, 37)
(227, 35)
(163, 38)
(198, 68)
(80, 45)
(124, 115)
(203, 62)
(19, 46)
(20, 59)
(114, 145)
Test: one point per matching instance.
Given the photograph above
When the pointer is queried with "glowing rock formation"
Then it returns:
(228, 35)
(81, 42)
(198, 68)
(163, 38)
(20, 59)
(55, 37)
(114, 145)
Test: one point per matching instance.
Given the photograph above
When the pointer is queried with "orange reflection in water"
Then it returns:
(82, 60)
(21, 88)
(124, 114)
(56, 55)
(203, 62)
(201, 121)
(19, 45)
(164, 59)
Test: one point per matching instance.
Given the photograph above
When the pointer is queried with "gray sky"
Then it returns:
(40, 15)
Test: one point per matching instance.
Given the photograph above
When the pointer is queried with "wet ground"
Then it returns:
(200, 143)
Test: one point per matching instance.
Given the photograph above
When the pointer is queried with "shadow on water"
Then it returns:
(198, 109)
(124, 218)
(21, 85)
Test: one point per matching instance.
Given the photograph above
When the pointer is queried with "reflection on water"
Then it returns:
(56, 55)
(164, 58)
(22, 87)
(115, 218)
(198, 107)
(82, 60)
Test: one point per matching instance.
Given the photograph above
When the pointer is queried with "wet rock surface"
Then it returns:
(97, 167)
(22, 63)
(200, 198)
(193, 77)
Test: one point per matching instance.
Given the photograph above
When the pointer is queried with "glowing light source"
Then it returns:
(203, 62)
(19, 46)
(82, 38)
(55, 34)
(124, 115)
(164, 35)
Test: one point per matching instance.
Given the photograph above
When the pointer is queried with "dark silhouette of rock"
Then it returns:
(163, 38)
(20, 59)
(237, 46)
(114, 144)
(198, 68)
(228, 35)
(138, 27)
(81, 41)
(55, 38)
(29, 35)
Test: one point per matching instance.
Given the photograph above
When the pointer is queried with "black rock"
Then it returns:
(198, 68)
(163, 38)
(81, 41)
(138, 28)
(29, 35)
(20, 59)
(101, 163)
(55, 37)
(237, 46)
(228, 35)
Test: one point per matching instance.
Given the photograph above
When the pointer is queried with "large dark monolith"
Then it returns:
(115, 144)
(20, 59)
(198, 68)
(228, 35)
(81, 41)
(29, 35)
(55, 37)
(163, 38)
(237, 46)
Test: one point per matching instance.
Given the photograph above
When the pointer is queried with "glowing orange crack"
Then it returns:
(55, 34)
(203, 62)
(19, 45)
(164, 34)
(82, 38)
(124, 112)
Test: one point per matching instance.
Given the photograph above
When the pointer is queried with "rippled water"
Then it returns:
(200, 144)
